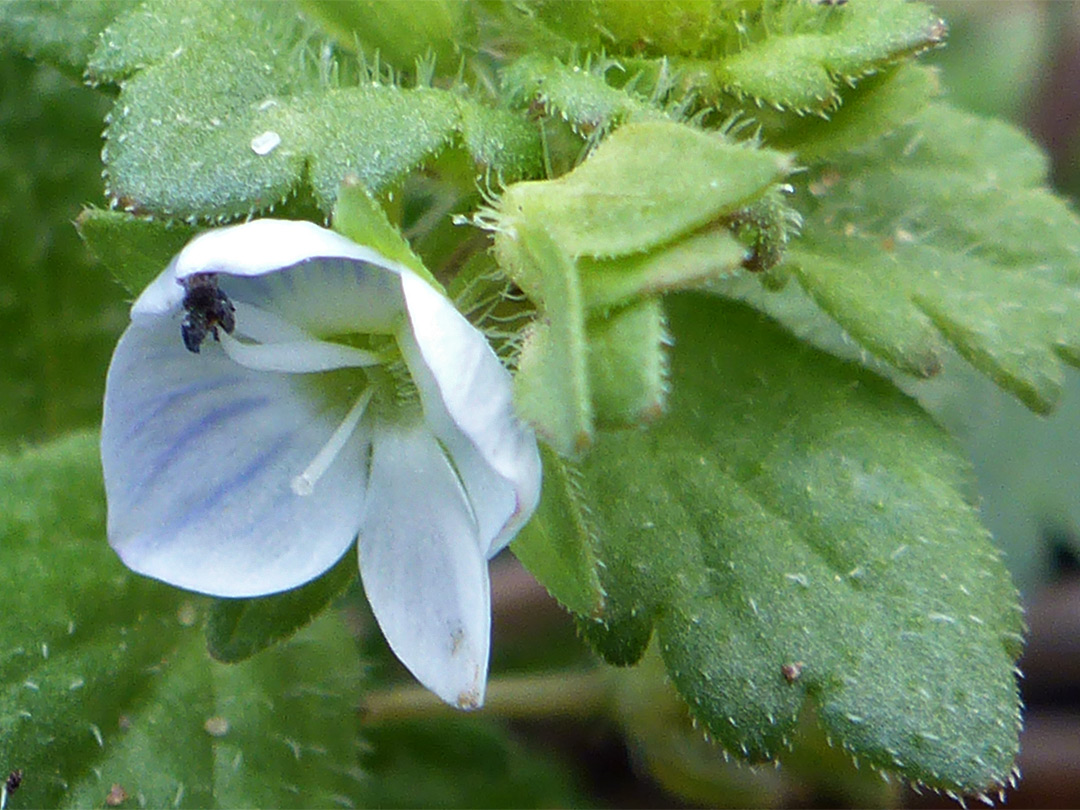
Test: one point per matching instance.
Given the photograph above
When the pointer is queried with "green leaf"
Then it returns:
(236, 629)
(221, 115)
(877, 105)
(104, 678)
(581, 95)
(134, 249)
(60, 32)
(958, 241)
(795, 508)
(800, 67)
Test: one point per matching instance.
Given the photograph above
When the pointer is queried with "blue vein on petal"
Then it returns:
(212, 418)
(176, 397)
(208, 502)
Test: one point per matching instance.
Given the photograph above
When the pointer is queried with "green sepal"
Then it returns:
(644, 215)
(557, 544)
(236, 629)
(360, 218)
(685, 264)
(627, 365)
(551, 386)
(134, 249)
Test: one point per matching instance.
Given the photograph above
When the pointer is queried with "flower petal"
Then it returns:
(334, 285)
(424, 576)
(198, 455)
(466, 393)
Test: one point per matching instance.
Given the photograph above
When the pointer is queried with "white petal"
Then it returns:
(467, 396)
(198, 455)
(424, 576)
(332, 285)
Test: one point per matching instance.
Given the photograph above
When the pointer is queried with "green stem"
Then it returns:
(520, 697)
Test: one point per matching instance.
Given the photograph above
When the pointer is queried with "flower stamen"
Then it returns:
(304, 483)
(296, 357)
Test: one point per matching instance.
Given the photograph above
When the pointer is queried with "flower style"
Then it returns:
(282, 391)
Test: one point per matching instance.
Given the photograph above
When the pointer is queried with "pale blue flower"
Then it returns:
(351, 401)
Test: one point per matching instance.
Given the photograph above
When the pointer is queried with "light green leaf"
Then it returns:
(956, 240)
(801, 67)
(793, 509)
(104, 678)
(221, 114)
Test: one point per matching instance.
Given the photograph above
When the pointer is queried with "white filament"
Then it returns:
(296, 357)
(304, 483)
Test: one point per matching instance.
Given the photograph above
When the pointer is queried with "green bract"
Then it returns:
(644, 214)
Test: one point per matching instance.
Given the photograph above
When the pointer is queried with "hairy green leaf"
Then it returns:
(105, 685)
(955, 240)
(222, 113)
(793, 510)
(581, 95)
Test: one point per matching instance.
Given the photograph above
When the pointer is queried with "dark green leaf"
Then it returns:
(104, 679)
(794, 509)
(236, 629)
